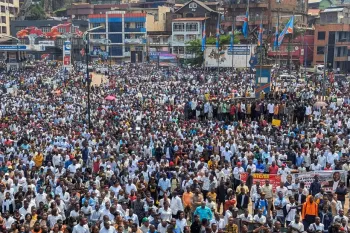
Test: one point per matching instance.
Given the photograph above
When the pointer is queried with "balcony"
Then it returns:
(133, 41)
(127, 54)
(160, 44)
(135, 29)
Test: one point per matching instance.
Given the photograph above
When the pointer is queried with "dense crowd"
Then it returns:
(167, 150)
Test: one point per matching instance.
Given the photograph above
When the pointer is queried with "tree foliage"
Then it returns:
(36, 12)
(195, 46)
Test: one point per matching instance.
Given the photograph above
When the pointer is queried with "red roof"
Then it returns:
(191, 19)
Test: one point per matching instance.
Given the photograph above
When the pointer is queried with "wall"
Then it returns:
(157, 23)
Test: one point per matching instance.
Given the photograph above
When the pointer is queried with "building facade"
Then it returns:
(124, 35)
(185, 30)
(8, 12)
(332, 39)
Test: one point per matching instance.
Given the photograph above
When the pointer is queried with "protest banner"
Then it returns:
(329, 179)
(275, 180)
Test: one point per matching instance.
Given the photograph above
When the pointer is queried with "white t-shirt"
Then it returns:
(299, 226)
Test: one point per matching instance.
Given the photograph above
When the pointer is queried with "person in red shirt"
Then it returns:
(273, 168)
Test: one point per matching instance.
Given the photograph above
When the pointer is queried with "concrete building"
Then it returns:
(270, 12)
(332, 38)
(184, 30)
(124, 33)
(8, 11)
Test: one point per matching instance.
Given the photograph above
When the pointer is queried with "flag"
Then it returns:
(287, 30)
(218, 33)
(232, 37)
(204, 37)
(275, 43)
(260, 35)
(245, 24)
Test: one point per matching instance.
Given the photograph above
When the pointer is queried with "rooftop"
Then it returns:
(191, 19)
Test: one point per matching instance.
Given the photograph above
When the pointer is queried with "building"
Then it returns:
(158, 34)
(124, 32)
(332, 38)
(268, 12)
(8, 12)
(83, 10)
(300, 52)
(319, 4)
(187, 24)
(46, 26)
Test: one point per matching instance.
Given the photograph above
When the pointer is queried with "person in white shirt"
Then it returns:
(237, 171)
(130, 186)
(259, 218)
(82, 227)
(246, 217)
(296, 226)
(315, 166)
(176, 204)
(218, 220)
(291, 210)
(317, 226)
(181, 221)
(107, 228)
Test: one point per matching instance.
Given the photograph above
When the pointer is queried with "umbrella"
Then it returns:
(320, 104)
(110, 97)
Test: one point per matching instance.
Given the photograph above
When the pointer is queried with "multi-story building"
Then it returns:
(267, 12)
(124, 35)
(184, 30)
(332, 38)
(8, 11)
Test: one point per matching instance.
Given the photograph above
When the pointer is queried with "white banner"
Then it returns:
(241, 56)
(329, 179)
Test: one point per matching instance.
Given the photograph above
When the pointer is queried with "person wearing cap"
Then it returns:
(145, 225)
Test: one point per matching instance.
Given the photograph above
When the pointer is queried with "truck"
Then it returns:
(316, 69)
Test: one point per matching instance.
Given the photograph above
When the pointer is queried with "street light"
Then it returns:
(14, 38)
(88, 79)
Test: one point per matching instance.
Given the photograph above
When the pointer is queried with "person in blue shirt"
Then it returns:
(260, 167)
(262, 204)
(203, 212)
(299, 160)
(280, 205)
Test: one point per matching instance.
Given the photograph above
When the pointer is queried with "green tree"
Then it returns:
(36, 12)
(195, 46)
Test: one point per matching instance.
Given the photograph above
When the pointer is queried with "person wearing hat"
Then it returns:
(145, 225)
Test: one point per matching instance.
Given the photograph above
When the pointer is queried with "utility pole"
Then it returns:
(324, 71)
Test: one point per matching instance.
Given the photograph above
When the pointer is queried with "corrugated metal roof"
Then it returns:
(333, 10)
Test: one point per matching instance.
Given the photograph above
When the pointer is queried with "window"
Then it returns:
(62, 29)
(138, 48)
(3, 29)
(127, 25)
(45, 29)
(191, 37)
(192, 5)
(127, 36)
(321, 35)
(155, 40)
(180, 38)
(320, 50)
(96, 36)
(3, 19)
(179, 27)
(127, 49)
(94, 25)
(139, 25)
(191, 27)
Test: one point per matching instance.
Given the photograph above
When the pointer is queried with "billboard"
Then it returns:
(239, 57)
(67, 45)
(164, 58)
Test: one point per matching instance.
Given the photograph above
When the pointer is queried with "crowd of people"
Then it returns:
(165, 152)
